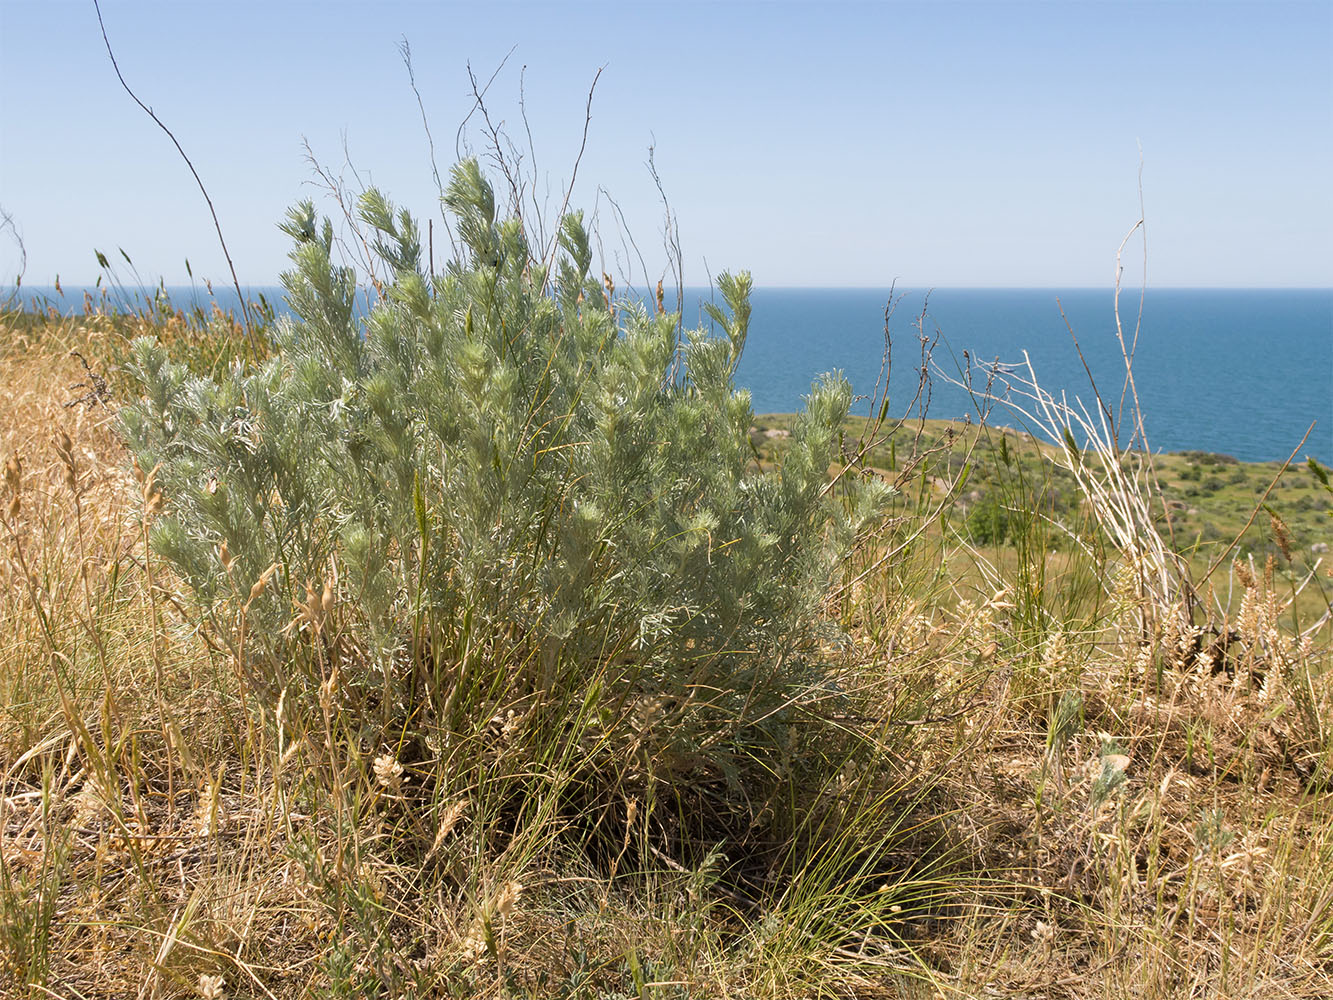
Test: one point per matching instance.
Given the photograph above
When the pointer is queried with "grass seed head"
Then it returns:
(152, 496)
(449, 819)
(14, 481)
(507, 899)
(388, 772)
(14, 473)
(1243, 574)
(65, 451)
(1281, 535)
(313, 609)
(261, 584)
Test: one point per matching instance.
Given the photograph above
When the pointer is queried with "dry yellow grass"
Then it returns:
(136, 858)
(164, 836)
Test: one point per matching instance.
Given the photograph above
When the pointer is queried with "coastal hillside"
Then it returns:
(999, 749)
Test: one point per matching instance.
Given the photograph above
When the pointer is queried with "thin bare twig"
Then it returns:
(1217, 560)
(1143, 289)
(626, 234)
(573, 176)
(245, 312)
(7, 223)
(498, 138)
(405, 49)
(365, 257)
(670, 241)
(459, 145)
(538, 215)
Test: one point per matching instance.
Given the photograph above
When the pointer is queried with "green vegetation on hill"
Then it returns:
(1212, 501)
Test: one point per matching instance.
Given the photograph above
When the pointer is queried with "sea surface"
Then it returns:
(1244, 372)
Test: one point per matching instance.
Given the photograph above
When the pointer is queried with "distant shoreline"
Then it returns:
(1240, 372)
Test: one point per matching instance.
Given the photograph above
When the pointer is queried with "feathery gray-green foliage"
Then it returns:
(517, 487)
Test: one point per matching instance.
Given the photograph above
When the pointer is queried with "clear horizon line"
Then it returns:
(218, 286)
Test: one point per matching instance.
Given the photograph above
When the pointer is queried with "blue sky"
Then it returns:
(943, 144)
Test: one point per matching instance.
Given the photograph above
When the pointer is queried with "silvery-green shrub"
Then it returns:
(520, 491)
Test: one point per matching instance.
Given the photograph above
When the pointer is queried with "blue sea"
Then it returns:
(1239, 371)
